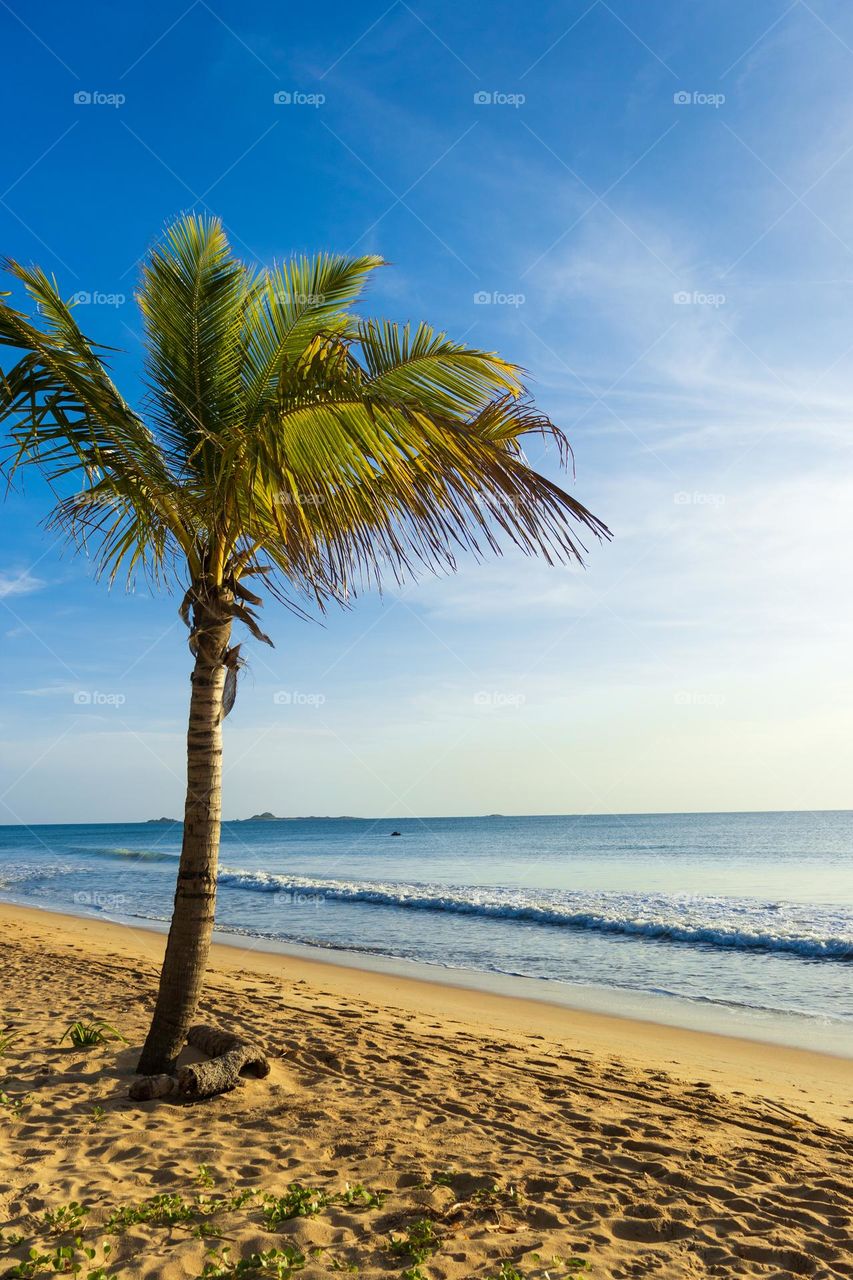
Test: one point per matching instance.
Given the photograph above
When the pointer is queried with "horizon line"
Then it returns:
(464, 817)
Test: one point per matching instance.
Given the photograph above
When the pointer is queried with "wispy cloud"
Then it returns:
(51, 691)
(19, 584)
(701, 362)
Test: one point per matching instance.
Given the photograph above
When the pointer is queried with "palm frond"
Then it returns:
(426, 369)
(344, 490)
(66, 416)
(294, 310)
(192, 298)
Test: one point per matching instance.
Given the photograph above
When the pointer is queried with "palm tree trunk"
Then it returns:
(188, 945)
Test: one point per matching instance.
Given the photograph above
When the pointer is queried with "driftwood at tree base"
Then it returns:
(214, 1043)
(229, 1057)
(146, 1087)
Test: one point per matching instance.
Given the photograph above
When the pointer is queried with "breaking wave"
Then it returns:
(730, 923)
(127, 855)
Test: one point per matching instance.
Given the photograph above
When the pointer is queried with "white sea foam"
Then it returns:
(732, 923)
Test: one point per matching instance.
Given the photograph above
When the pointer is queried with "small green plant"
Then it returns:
(163, 1210)
(418, 1243)
(204, 1177)
(238, 1198)
(297, 1202)
(67, 1217)
(496, 1194)
(438, 1178)
(13, 1106)
(341, 1264)
(35, 1262)
(98, 1113)
(170, 1209)
(66, 1259)
(508, 1272)
(572, 1265)
(84, 1034)
(356, 1196)
(204, 1231)
(7, 1039)
(281, 1263)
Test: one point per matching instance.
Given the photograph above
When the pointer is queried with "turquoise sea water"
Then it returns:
(745, 912)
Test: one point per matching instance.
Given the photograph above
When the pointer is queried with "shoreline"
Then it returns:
(770, 1027)
(754, 1067)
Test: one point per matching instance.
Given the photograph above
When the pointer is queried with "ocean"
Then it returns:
(740, 922)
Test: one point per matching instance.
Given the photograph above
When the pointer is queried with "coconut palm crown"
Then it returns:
(283, 442)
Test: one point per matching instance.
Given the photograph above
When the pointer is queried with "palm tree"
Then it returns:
(283, 442)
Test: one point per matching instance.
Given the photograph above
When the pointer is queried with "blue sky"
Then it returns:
(655, 201)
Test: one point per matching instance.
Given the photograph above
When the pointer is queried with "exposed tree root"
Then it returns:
(229, 1057)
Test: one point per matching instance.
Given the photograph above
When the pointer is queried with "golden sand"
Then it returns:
(524, 1132)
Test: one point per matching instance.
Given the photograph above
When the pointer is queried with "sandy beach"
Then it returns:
(531, 1139)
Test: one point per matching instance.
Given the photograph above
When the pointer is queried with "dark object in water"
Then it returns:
(395, 833)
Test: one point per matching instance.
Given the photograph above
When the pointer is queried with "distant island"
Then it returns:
(308, 817)
(272, 817)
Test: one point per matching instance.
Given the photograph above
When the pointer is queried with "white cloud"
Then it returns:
(51, 690)
(18, 584)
